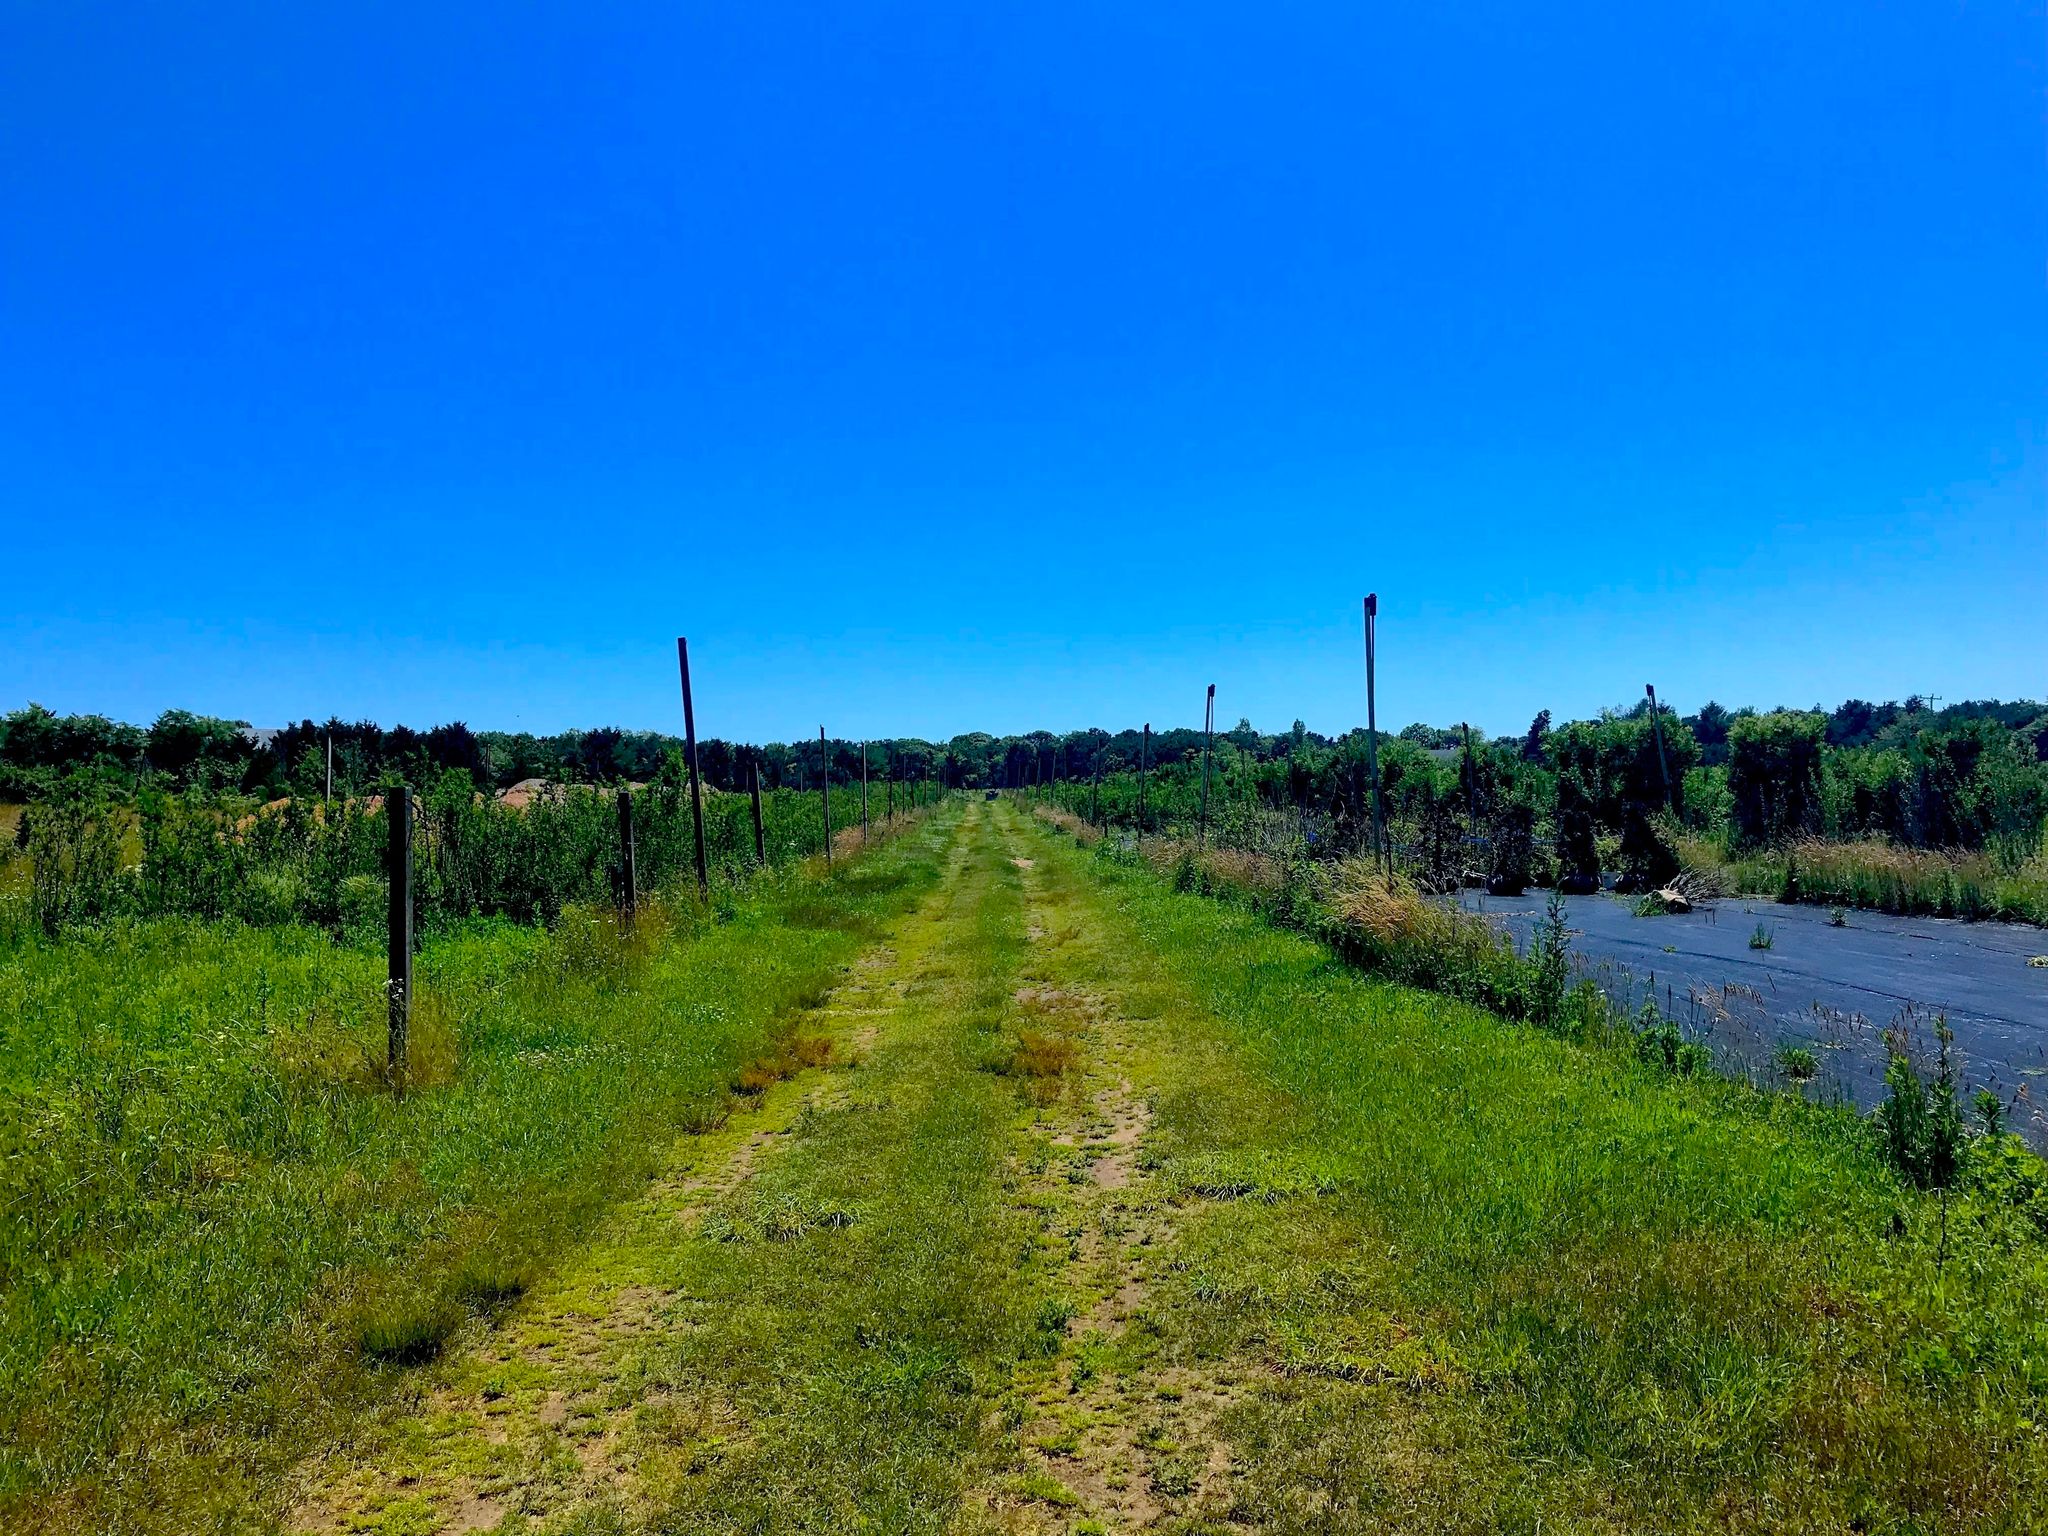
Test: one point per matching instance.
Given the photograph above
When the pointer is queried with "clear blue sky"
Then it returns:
(948, 367)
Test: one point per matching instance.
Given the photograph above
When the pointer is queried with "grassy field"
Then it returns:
(1055, 1200)
(223, 1230)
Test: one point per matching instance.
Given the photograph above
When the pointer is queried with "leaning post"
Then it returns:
(760, 833)
(1657, 730)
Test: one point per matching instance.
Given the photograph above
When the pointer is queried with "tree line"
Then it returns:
(1609, 792)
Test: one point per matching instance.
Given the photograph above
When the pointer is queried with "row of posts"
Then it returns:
(399, 818)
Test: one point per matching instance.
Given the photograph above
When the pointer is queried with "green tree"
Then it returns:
(1774, 775)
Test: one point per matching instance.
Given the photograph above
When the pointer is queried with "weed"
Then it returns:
(1762, 938)
(1920, 1117)
(1660, 1043)
(1797, 1063)
(1550, 967)
(1838, 917)
(1044, 1054)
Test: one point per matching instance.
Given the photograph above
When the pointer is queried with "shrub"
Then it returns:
(74, 849)
(1662, 1044)
(1774, 776)
(1921, 1122)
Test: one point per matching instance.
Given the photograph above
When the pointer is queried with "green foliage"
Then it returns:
(1660, 1043)
(1798, 1063)
(1774, 776)
(1920, 1119)
(74, 850)
(1550, 968)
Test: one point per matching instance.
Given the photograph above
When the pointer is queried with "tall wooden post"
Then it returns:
(629, 884)
(696, 778)
(1380, 850)
(1657, 730)
(1144, 773)
(1095, 787)
(760, 833)
(1208, 742)
(825, 792)
(398, 817)
(1471, 779)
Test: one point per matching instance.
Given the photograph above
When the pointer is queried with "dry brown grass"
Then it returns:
(1392, 911)
(792, 1056)
(1044, 1054)
(1080, 829)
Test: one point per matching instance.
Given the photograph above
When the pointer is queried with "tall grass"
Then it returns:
(219, 1226)
(1908, 881)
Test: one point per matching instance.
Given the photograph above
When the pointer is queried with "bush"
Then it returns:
(1774, 776)
(1921, 1122)
(74, 849)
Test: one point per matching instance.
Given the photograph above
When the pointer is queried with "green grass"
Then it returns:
(223, 1231)
(1501, 1282)
(1878, 877)
(1059, 1199)
(838, 1274)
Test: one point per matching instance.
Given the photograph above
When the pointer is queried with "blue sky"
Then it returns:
(949, 367)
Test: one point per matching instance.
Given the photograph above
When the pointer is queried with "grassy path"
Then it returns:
(798, 1325)
(1100, 1208)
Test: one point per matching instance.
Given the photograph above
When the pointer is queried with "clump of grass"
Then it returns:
(1762, 938)
(406, 1330)
(1662, 1044)
(1044, 1054)
(488, 1280)
(793, 1055)
(1797, 1063)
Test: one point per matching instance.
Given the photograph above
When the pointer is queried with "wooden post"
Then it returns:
(760, 834)
(863, 794)
(825, 792)
(398, 817)
(1471, 779)
(1380, 850)
(1095, 787)
(1144, 766)
(1657, 730)
(696, 778)
(1208, 741)
(629, 885)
